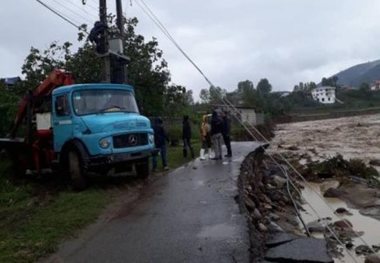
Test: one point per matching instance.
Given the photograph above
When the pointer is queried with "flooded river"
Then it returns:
(352, 137)
(371, 227)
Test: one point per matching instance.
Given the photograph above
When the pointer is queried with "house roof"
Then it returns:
(10, 81)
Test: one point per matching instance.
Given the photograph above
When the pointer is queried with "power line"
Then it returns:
(92, 6)
(227, 103)
(82, 7)
(155, 19)
(58, 14)
(72, 11)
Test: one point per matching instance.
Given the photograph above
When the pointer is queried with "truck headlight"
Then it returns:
(104, 143)
(151, 138)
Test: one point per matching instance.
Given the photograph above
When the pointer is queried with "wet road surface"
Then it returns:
(190, 215)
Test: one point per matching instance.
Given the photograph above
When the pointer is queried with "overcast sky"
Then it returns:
(286, 41)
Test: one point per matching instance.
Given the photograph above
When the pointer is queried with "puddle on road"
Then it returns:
(368, 225)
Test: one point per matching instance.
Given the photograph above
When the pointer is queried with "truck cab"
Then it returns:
(97, 127)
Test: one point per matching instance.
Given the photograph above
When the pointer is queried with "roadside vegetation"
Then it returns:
(338, 167)
(37, 214)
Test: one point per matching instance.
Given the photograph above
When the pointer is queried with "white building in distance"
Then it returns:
(325, 95)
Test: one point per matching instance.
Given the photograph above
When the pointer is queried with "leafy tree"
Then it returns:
(204, 95)
(304, 87)
(264, 87)
(189, 99)
(246, 93)
(8, 108)
(147, 71)
(216, 94)
(332, 82)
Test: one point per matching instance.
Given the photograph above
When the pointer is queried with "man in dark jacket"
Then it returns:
(186, 136)
(226, 133)
(216, 134)
(160, 139)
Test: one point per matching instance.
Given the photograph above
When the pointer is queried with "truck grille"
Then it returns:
(130, 140)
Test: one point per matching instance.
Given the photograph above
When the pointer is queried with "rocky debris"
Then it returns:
(264, 198)
(279, 239)
(375, 162)
(274, 228)
(274, 217)
(363, 250)
(342, 211)
(343, 224)
(349, 245)
(300, 250)
(375, 258)
(334, 193)
(376, 247)
(279, 181)
(293, 148)
(318, 225)
(262, 227)
(329, 184)
(250, 204)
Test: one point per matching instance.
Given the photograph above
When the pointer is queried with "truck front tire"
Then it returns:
(76, 170)
(142, 168)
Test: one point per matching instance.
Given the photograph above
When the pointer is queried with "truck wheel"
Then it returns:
(76, 171)
(142, 168)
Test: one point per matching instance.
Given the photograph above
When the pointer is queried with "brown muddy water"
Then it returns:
(352, 137)
(371, 227)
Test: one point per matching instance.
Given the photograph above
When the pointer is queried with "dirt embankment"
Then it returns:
(270, 207)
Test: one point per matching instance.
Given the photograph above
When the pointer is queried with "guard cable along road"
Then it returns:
(148, 11)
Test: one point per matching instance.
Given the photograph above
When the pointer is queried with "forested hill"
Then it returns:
(358, 74)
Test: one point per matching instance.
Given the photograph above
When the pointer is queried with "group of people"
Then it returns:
(213, 133)
(215, 130)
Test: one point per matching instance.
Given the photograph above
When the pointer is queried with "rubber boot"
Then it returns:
(211, 153)
(184, 153)
(202, 154)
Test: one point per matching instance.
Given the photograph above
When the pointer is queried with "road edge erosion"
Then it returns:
(274, 230)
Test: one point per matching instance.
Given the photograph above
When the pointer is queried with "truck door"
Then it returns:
(62, 121)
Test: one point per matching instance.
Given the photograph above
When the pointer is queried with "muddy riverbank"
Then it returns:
(340, 159)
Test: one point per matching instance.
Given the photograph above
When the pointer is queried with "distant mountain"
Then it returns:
(356, 75)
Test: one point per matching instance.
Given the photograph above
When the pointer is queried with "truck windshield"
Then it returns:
(100, 101)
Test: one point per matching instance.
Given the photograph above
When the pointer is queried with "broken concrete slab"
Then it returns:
(309, 250)
(279, 239)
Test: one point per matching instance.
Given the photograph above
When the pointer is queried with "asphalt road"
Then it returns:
(190, 215)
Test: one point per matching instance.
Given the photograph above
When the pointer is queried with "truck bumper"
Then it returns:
(108, 161)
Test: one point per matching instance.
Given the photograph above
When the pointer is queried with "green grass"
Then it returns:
(35, 217)
(33, 222)
(175, 155)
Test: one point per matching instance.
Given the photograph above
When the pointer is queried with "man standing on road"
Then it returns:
(226, 133)
(186, 136)
(216, 135)
(160, 139)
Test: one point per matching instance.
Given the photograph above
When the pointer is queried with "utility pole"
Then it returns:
(110, 45)
(120, 62)
(106, 58)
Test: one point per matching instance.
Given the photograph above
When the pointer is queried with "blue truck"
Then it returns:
(80, 129)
